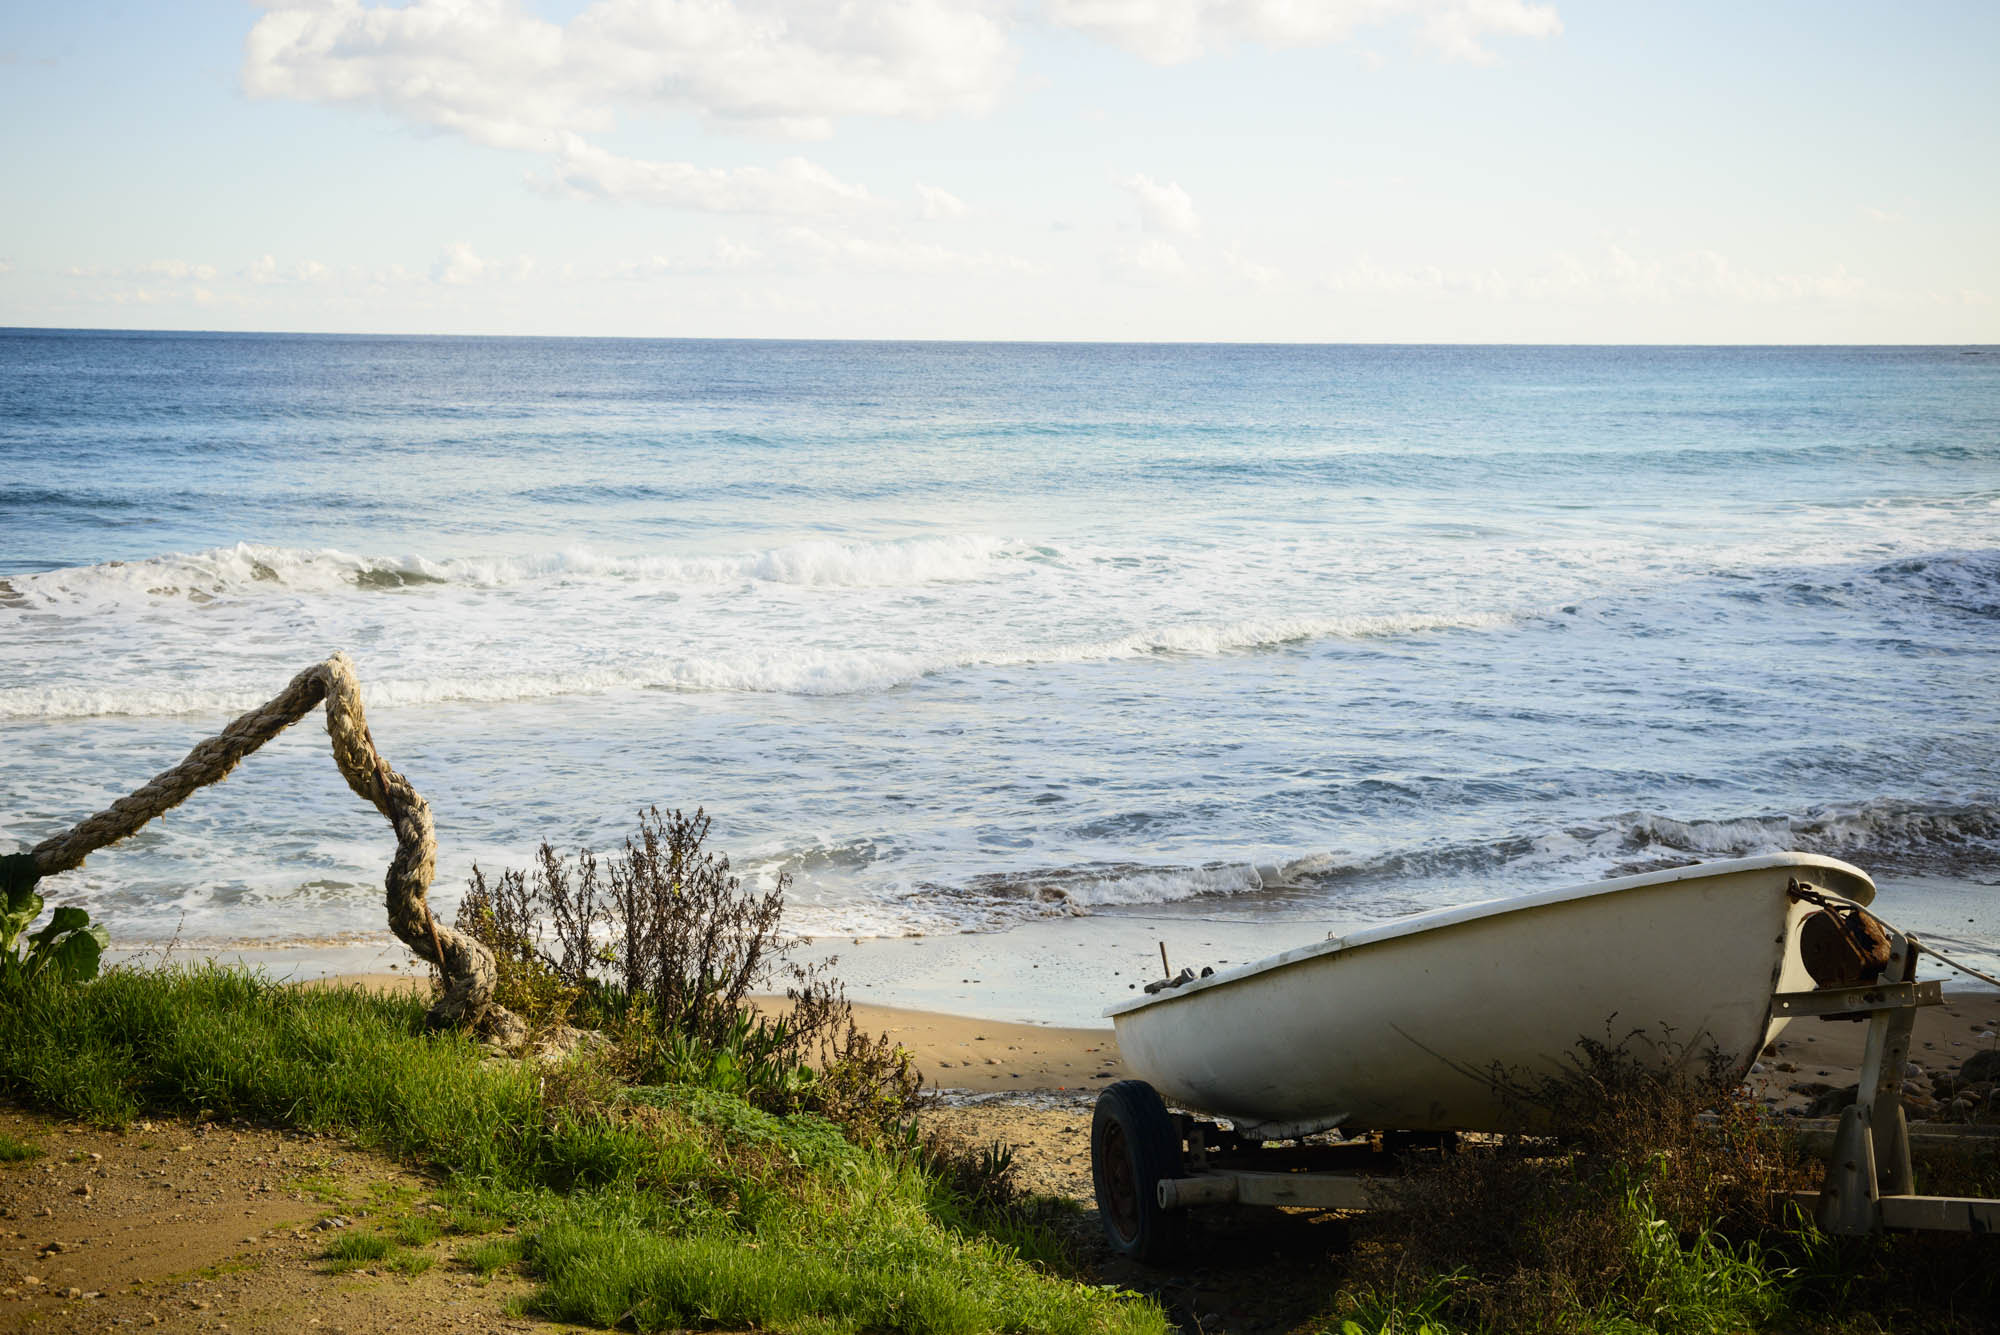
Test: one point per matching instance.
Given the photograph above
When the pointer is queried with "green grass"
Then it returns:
(493, 1254)
(1694, 1286)
(349, 1251)
(411, 1263)
(17, 1151)
(677, 1207)
(472, 1221)
(417, 1230)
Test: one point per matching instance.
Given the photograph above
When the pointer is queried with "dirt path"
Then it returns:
(175, 1226)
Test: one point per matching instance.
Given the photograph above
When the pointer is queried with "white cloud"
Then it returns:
(175, 269)
(799, 249)
(179, 269)
(1167, 32)
(1454, 29)
(727, 255)
(265, 270)
(1882, 215)
(497, 73)
(502, 77)
(457, 265)
(1149, 263)
(1614, 274)
(794, 186)
(1260, 275)
(1162, 208)
(811, 248)
(934, 203)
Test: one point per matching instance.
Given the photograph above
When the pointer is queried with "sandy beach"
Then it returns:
(975, 1055)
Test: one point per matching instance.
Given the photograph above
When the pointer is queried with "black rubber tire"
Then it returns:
(1133, 1145)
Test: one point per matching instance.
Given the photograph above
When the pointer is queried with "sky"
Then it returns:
(1226, 170)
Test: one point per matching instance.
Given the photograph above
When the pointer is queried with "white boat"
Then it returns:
(1403, 1026)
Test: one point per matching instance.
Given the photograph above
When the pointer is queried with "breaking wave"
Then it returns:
(249, 570)
(1883, 836)
(1886, 834)
(790, 672)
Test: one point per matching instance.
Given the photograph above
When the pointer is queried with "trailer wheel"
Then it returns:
(1133, 1145)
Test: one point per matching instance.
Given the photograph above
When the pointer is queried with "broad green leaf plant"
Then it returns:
(70, 944)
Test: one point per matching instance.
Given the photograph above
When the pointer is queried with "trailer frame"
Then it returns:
(1868, 1186)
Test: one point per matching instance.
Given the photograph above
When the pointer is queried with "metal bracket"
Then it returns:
(1857, 1000)
(1868, 1184)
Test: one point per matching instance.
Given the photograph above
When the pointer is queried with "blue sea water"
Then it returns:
(962, 635)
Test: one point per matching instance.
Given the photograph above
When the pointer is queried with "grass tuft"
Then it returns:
(494, 1254)
(411, 1263)
(417, 1230)
(349, 1251)
(17, 1151)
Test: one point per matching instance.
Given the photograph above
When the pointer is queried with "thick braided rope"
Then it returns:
(467, 966)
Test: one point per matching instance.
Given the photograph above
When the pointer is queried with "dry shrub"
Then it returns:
(505, 916)
(663, 917)
(1537, 1229)
(686, 935)
(660, 942)
(865, 1081)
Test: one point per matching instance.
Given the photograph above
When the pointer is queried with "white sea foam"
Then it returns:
(811, 672)
(1886, 835)
(251, 570)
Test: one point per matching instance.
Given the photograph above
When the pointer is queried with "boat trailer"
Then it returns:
(1150, 1166)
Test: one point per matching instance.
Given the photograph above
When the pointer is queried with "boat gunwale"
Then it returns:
(1459, 914)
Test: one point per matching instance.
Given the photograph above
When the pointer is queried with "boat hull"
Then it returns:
(1406, 1026)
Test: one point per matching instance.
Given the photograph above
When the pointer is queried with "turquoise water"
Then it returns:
(962, 635)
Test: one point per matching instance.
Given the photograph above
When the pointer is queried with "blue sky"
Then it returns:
(1373, 170)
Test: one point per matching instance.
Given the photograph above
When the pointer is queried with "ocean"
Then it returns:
(960, 637)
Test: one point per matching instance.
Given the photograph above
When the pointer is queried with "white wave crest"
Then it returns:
(1887, 833)
(816, 672)
(250, 570)
(1885, 827)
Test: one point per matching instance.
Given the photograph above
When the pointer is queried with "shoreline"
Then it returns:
(984, 1059)
(1063, 970)
(1058, 972)
(1053, 972)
